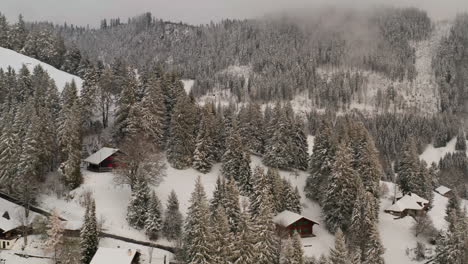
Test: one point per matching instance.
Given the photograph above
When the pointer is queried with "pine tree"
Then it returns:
(244, 248)
(321, 163)
(138, 206)
(290, 197)
(125, 103)
(342, 188)
(18, 34)
(153, 113)
(278, 147)
(298, 251)
(181, 145)
(236, 162)
(89, 235)
(4, 31)
(266, 243)
(198, 240)
(172, 225)
(54, 235)
(203, 156)
(9, 151)
(451, 246)
(251, 126)
(373, 250)
(219, 194)
(72, 147)
(222, 235)
(460, 145)
(261, 192)
(287, 255)
(153, 222)
(299, 146)
(276, 188)
(408, 168)
(339, 254)
(231, 204)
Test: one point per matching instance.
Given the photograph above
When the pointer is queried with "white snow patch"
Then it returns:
(16, 60)
(188, 84)
(431, 154)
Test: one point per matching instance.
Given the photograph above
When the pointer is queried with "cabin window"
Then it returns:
(6, 215)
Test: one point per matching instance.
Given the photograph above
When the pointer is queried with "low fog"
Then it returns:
(90, 12)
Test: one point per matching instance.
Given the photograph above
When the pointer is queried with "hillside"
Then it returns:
(112, 200)
(16, 60)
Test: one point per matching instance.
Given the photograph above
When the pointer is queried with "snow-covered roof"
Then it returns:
(100, 155)
(443, 189)
(113, 256)
(287, 218)
(11, 215)
(409, 201)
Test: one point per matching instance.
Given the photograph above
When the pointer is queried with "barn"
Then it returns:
(103, 160)
(410, 204)
(287, 222)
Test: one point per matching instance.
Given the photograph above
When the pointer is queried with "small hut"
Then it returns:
(103, 160)
(444, 191)
(116, 256)
(287, 222)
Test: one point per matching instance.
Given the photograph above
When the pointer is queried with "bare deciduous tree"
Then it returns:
(139, 159)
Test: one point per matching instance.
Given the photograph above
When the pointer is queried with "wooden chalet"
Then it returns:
(103, 160)
(116, 256)
(409, 204)
(287, 222)
(444, 191)
(12, 221)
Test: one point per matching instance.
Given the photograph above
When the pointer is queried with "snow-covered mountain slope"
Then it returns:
(16, 60)
(112, 201)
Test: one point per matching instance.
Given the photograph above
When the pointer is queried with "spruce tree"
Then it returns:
(408, 168)
(244, 247)
(236, 162)
(321, 163)
(277, 190)
(342, 188)
(172, 224)
(153, 222)
(224, 239)
(261, 192)
(72, 147)
(153, 114)
(298, 251)
(54, 235)
(460, 145)
(138, 206)
(182, 139)
(219, 194)
(231, 204)
(278, 148)
(203, 156)
(89, 235)
(266, 243)
(339, 254)
(125, 103)
(198, 240)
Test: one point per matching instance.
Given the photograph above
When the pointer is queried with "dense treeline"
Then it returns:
(41, 41)
(282, 54)
(450, 64)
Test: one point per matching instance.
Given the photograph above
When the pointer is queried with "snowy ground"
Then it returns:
(431, 154)
(16, 60)
(112, 201)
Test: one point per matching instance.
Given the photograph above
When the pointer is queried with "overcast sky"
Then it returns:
(84, 12)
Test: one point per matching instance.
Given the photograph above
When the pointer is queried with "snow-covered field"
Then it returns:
(431, 154)
(16, 60)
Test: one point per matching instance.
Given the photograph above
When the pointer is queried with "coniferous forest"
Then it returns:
(242, 120)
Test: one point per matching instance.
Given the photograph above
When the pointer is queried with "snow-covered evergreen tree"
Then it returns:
(461, 142)
(124, 105)
(231, 204)
(408, 168)
(153, 222)
(321, 163)
(203, 156)
(89, 235)
(172, 224)
(181, 144)
(266, 248)
(244, 247)
(198, 240)
(70, 168)
(138, 206)
(219, 194)
(236, 162)
(224, 240)
(339, 254)
(55, 230)
(342, 188)
(298, 251)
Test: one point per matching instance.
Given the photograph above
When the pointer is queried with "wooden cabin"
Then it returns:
(444, 191)
(288, 222)
(103, 160)
(409, 204)
(116, 256)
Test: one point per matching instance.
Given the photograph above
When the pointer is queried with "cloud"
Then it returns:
(84, 12)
